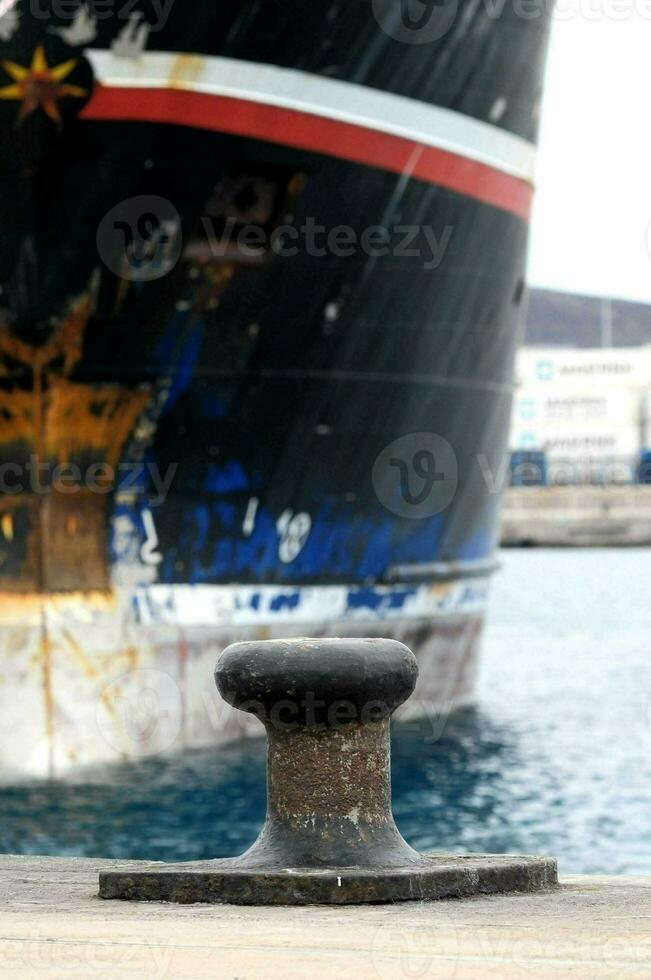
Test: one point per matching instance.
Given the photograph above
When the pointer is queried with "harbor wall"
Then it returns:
(577, 516)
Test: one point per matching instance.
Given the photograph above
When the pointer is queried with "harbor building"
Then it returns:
(580, 437)
(582, 404)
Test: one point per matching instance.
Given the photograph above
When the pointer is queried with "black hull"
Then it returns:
(295, 409)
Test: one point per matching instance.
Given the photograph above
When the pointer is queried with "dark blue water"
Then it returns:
(557, 759)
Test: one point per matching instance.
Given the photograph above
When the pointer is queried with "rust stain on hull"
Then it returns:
(185, 68)
(98, 420)
(45, 652)
(53, 530)
(27, 607)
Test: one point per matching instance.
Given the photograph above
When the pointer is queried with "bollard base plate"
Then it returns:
(231, 882)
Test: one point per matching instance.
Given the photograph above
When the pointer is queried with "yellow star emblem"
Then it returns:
(40, 86)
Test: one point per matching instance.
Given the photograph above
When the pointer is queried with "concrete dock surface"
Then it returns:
(53, 925)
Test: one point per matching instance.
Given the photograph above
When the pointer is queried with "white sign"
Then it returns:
(554, 407)
(623, 367)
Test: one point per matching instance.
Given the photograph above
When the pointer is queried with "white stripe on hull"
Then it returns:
(235, 606)
(326, 97)
(198, 606)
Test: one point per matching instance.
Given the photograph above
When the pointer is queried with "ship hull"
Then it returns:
(122, 691)
(257, 328)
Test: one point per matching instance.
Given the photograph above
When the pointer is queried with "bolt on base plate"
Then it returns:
(223, 882)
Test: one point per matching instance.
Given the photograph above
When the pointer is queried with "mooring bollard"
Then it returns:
(329, 836)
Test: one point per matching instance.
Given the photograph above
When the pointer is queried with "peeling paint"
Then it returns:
(51, 420)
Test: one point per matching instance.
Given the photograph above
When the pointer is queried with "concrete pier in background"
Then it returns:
(611, 516)
(52, 924)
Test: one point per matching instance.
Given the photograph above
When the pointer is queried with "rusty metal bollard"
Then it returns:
(329, 836)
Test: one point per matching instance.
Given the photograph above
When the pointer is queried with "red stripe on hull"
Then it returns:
(316, 134)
